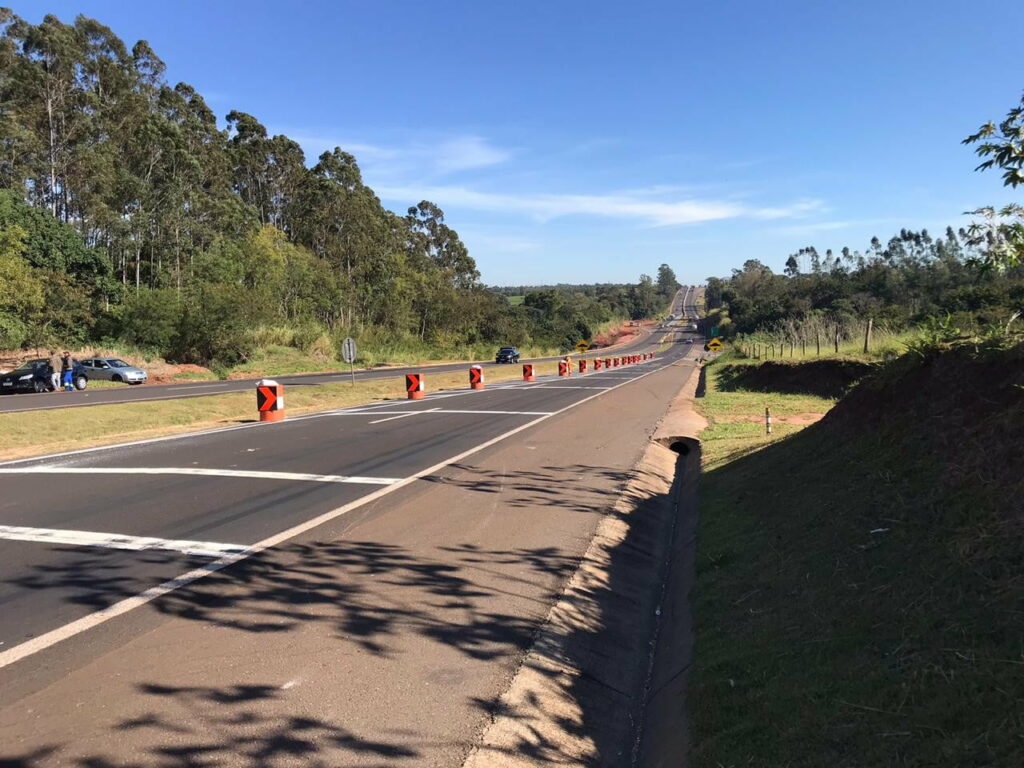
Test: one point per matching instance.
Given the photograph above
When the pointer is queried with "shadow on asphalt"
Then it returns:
(366, 593)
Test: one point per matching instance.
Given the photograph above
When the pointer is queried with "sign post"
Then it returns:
(348, 354)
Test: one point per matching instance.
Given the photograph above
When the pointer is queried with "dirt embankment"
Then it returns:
(620, 334)
(824, 378)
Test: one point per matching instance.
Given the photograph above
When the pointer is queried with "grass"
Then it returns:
(33, 433)
(515, 301)
(736, 419)
(854, 605)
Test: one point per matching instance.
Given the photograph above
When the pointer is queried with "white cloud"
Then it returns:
(633, 205)
(467, 152)
(436, 156)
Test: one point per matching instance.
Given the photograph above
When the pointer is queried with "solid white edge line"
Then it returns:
(54, 636)
(117, 541)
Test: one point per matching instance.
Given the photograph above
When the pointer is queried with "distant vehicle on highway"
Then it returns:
(507, 355)
(114, 369)
(34, 376)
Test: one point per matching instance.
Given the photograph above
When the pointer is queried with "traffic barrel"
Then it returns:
(528, 372)
(597, 364)
(476, 377)
(270, 400)
(563, 368)
(414, 386)
(608, 363)
(583, 366)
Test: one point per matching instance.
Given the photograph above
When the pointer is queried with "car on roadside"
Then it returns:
(34, 376)
(507, 355)
(114, 369)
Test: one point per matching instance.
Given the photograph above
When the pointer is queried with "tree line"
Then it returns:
(128, 213)
(969, 280)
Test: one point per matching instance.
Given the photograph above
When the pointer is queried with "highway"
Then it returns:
(358, 582)
(10, 403)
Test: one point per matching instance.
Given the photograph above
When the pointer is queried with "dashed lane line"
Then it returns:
(119, 541)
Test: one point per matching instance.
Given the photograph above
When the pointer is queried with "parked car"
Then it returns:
(507, 355)
(114, 369)
(34, 376)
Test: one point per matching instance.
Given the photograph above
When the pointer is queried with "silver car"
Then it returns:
(113, 369)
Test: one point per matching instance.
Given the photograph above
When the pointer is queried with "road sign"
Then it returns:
(582, 346)
(348, 354)
(714, 331)
(715, 345)
(348, 350)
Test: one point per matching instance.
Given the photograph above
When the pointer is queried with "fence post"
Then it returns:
(837, 341)
(867, 335)
(817, 342)
(767, 420)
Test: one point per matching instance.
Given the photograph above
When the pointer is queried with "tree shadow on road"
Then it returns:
(486, 602)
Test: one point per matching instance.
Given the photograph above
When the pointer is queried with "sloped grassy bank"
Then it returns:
(860, 588)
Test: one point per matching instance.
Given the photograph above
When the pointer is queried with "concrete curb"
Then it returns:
(594, 672)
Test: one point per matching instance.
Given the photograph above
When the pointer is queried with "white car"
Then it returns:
(113, 369)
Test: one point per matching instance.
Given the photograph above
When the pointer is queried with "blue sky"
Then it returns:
(591, 141)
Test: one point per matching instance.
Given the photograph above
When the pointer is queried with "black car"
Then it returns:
(507, 355)
(34, 376)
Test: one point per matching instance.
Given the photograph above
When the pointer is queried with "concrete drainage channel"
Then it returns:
(604, 683)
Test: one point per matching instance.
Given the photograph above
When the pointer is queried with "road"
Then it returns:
(48, 401)
(347, 588)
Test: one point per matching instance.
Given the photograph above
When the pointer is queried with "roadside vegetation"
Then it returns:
(131, 218)
(860, 580)
(860, 576)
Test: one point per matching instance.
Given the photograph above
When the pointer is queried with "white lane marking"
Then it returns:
(118, 541)
(553, 386)
(190, 387)
(54, 636)
(402, 416)
(58, 470)
(498, 413)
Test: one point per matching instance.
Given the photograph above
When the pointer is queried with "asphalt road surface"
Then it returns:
(15, 403)
(348, 588)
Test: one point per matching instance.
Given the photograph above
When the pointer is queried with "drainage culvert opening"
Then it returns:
(684, 446)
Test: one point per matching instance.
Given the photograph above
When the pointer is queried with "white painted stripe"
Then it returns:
(69, 630)
(203, 471)
(402, 416)
(118, 541)
(554, 386)
(500, 413)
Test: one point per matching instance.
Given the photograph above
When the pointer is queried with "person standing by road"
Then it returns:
(66, 367)
(54, 364)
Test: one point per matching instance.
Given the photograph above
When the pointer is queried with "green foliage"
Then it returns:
(899, 284)
(1001, 234)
